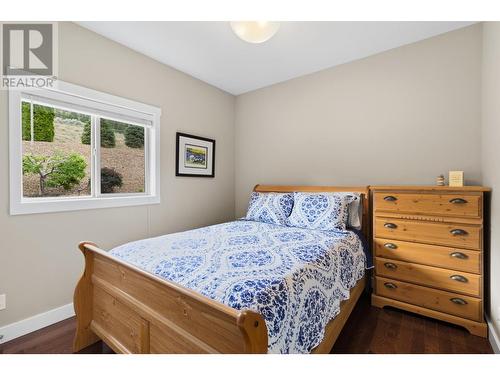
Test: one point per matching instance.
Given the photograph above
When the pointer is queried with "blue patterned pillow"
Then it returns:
(323, 211)
(271, 208)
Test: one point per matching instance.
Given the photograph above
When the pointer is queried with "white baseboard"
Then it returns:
(493, 337)
(23, 327)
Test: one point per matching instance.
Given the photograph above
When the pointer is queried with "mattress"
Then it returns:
(296, 278)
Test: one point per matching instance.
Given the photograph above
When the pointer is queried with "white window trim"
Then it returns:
(75, 95)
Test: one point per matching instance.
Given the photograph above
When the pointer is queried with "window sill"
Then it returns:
(34, 206)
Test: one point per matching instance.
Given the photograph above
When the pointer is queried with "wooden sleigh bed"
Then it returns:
(134, 311)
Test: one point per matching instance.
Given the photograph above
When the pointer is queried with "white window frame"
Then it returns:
(81, 99)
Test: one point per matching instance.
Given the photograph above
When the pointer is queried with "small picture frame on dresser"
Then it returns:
(456, 178)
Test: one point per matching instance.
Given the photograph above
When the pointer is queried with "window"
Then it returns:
(74, 148)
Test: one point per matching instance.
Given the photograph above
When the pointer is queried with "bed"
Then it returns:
(209, 290)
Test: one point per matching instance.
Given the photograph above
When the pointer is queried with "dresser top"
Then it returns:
(430, 188)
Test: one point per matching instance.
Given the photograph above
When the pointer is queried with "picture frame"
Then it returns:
(456, 178)
(194, 156)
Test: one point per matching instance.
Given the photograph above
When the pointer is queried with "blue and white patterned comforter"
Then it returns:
(296, 278)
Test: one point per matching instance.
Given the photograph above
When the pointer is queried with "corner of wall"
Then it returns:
(490, 153)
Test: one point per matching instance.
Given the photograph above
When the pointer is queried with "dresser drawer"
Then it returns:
(460, 235)
(454, 281)
(462, 205)
(431, 255)
(451, 303)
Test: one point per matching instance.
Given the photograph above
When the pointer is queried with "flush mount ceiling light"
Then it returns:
(255, 31)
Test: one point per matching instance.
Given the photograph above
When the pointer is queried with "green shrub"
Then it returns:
(68, 115)
(134, 136)
(118, 127)
(58, 170)
(107, 135)
(43, 123)
(110, 179)
(86, 134)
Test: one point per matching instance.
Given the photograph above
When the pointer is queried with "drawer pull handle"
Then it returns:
(458, 301)
(390, 285)
(390, 225)
(459, 278)
(391, 246)
(458, 255)
(390, 198)
(390, 266)
(458, 232)
(458, 201)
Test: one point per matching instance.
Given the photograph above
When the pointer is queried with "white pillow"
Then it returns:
(356, 212)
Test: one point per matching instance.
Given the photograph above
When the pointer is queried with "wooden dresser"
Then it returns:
(428, 252)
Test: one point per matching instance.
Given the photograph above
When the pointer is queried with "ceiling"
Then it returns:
(211, 52)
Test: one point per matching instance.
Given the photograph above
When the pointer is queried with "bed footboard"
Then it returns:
(133, 311)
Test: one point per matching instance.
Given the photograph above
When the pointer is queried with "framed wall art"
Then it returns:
(195, 156)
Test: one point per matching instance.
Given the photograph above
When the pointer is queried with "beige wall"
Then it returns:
(39, 261)
(399, 117)
(491, 155)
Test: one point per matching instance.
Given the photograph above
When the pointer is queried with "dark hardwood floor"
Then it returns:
(391, 331)
(368, 330)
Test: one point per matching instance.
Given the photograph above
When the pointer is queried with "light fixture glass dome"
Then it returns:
(255, 31)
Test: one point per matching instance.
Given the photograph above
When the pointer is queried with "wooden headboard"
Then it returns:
(362, 190)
